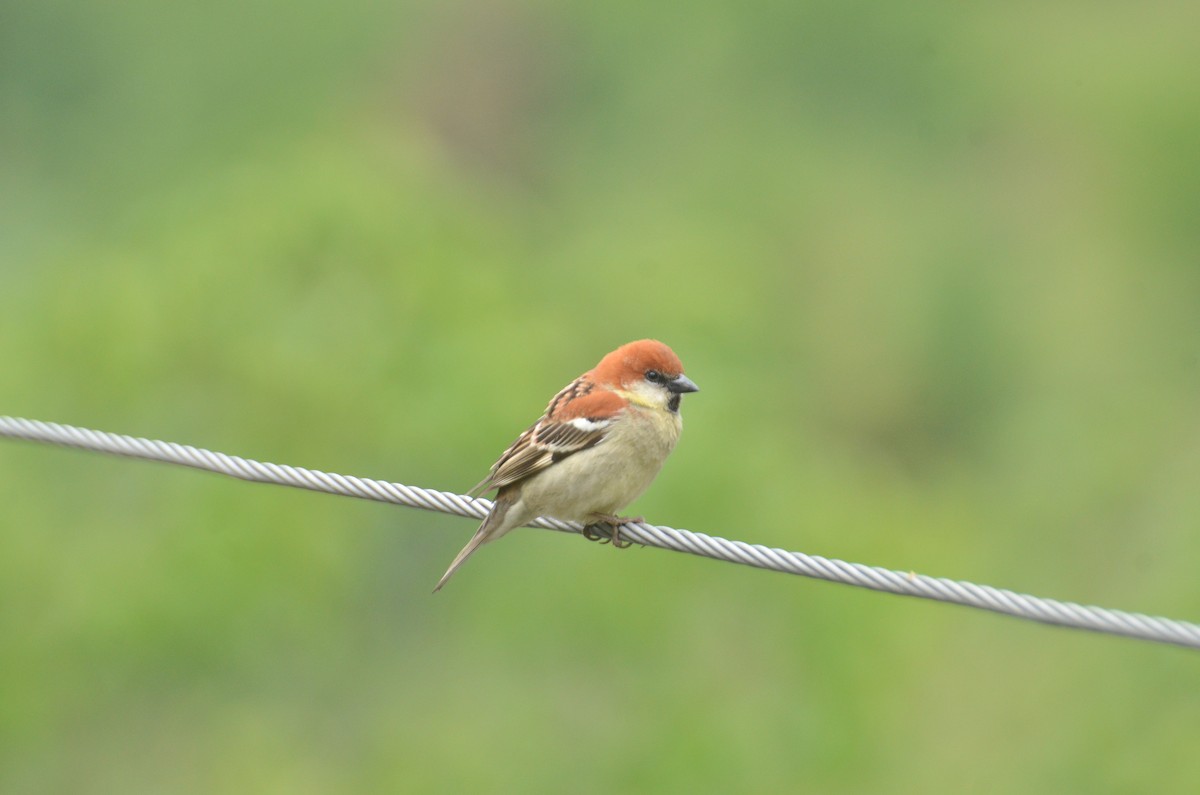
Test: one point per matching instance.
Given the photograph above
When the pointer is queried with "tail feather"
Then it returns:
(478, 540)
(494, 526)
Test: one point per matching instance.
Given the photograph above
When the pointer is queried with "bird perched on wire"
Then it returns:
(599, 445)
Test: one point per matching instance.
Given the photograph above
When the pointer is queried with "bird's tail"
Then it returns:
(493, 526)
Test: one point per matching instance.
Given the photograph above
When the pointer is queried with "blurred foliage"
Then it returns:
(933, 265)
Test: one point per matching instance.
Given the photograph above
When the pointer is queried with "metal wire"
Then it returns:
(985, 597)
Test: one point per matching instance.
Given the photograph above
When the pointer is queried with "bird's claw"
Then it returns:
(606, 530)
(598, 532)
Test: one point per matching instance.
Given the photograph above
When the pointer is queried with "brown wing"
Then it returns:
(582, 422)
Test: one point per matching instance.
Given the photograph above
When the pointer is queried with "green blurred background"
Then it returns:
(934, 266)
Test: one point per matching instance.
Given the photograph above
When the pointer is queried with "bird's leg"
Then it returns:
(596, 531)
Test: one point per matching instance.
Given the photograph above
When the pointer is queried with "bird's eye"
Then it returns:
(654, 376)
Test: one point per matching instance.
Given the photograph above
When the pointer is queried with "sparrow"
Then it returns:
(599, 444)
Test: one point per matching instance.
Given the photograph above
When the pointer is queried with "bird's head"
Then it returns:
(647, 372)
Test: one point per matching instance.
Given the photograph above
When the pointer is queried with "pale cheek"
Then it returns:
(650, 394)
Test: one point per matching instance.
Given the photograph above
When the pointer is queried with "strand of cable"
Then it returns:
(985, 597)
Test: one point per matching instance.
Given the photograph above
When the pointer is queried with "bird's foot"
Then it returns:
(606, 529)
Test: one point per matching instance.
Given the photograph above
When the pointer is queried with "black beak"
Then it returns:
(680, 384)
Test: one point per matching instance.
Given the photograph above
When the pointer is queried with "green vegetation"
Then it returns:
(934, 267)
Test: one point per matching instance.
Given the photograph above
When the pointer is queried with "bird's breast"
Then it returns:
(607, 477)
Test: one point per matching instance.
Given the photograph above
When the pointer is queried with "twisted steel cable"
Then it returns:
(985, 597)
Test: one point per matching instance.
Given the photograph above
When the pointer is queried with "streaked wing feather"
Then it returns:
(520, 460)
(567, 437)
(538, 448)
(551, 440)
